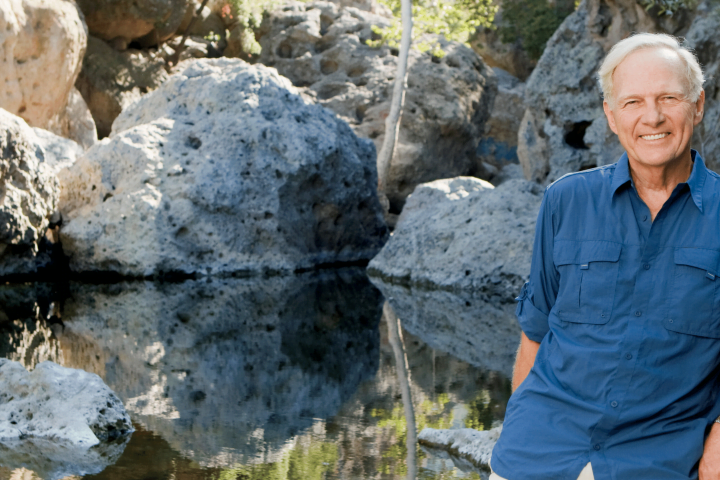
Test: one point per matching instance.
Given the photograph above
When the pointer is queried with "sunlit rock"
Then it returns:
(222, 169)
(229, 369)
(461, 234)
(466, 326)
(321, 47)
(60, 403)
(41, 48)
(473, 445)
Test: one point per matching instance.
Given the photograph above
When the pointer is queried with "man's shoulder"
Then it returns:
(591, 181)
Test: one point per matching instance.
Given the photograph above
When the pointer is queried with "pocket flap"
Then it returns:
(701, 258)
(566, 252)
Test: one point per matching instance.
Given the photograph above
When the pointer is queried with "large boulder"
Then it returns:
(222, 169)
(111, 80)
(564, 128)
(130, 19)
(41, 49)
(322, 49)
(60, 403)
(30, 194)
(461, 234)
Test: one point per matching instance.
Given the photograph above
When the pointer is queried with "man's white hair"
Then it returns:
(622, 49)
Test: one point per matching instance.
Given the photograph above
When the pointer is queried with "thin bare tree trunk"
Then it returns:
(392, 122)
(403, 373)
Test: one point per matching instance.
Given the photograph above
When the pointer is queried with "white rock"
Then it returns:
(59, 152)
(461, 234)
(224, 168)
(60, 403)
(42, 44)
(468, 443)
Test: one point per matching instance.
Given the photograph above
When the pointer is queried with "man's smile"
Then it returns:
(656, 136)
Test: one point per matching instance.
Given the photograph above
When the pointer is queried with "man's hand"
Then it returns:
(524, 360)
(710, 461)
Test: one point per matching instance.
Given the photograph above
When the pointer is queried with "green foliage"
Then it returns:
(303, 462)
(248, 14)
(533, 22)
(454, 19)
(668, 7)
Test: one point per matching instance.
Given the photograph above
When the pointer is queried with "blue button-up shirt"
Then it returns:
(627, 313)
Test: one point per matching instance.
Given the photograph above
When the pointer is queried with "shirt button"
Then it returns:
(646, 266)
(628, 356)
(644, 217)
(670, 320)
(614, 404)
(597, 447)
(638, 313)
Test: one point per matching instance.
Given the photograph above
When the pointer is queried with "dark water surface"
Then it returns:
(292, 378)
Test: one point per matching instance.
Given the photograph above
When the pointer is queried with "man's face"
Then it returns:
(651, 113)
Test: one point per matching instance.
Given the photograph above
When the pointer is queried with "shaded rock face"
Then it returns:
(41, 41)
(511, 57)
(498, 147)
(228, 367)
(702, 36)
(564, 128)
(461, 234)
(465, 325)
(60, 403)
(130, 19)
(28, 195)
(222, 169)
(321, 49)
(112, 80)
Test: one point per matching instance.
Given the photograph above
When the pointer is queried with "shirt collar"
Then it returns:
(696, 181)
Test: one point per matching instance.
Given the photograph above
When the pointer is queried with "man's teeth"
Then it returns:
(654, 137)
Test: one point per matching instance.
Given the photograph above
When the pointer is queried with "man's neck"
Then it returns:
(655, 184)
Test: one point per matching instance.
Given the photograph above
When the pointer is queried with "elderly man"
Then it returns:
(616, 376)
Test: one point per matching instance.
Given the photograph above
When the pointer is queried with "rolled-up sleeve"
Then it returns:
(538, 294)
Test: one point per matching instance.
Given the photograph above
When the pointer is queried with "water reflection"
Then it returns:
(281, 378)
(466, 326)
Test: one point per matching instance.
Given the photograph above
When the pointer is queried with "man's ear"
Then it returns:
(610, 118)
(699, 108)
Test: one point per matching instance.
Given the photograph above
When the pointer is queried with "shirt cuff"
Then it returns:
(532, 321)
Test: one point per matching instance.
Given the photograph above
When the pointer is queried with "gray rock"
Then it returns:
(112, 80)
(222, 169)
(322, 49)
(55, 402)
(473, 445)
(233, 367)
(30, 195)
(463, 324)
(564, 128)
(461, 234)
(498, 147)
(59, 152)
(511, 57)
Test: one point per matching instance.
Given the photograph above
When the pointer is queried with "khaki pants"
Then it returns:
(586, 474)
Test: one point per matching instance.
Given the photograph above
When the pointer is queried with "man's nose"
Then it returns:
(653, 114)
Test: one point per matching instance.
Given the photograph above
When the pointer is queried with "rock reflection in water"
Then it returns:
(244, 364)
(467, 327)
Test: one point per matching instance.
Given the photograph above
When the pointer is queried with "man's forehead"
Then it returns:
(651, 67)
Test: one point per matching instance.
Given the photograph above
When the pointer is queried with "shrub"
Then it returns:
(532, 22)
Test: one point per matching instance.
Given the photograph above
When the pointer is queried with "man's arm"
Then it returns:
(524, 360)
(710, 462)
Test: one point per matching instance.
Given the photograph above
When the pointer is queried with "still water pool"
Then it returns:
(286, 378)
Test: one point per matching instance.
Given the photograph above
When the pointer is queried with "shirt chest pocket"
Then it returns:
(693, 299)
(588, 279)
